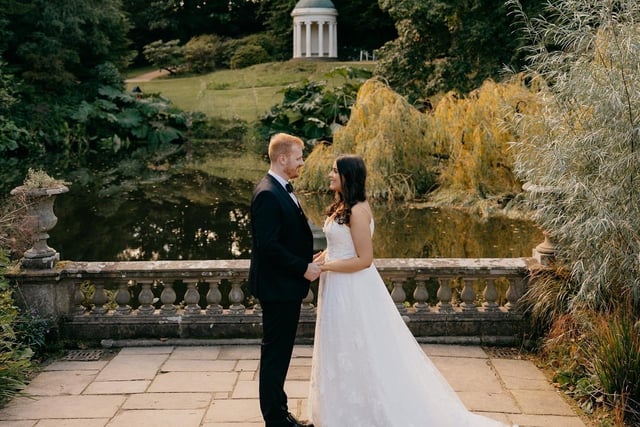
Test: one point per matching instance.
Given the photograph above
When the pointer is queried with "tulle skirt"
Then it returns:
(368, 370)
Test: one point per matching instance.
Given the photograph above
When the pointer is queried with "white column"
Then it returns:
(308, 38)
(320, 39)
(297, 39)
(332, 40)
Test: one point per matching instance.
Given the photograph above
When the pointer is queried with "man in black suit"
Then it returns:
(280, 272)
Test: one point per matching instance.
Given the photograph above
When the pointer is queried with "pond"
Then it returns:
(195, 217)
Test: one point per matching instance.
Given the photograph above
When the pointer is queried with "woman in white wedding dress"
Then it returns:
(368, 370)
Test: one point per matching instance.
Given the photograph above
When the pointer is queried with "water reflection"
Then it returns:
(198, 217)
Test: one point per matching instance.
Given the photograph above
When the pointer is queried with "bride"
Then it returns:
(368, 370)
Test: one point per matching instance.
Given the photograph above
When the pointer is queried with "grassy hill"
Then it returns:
(245, 93)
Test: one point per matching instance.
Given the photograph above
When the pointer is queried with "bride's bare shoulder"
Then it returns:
(362, 209)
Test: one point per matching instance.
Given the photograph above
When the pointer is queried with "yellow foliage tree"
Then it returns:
(390, 136)
(459, 151)
(475, 132)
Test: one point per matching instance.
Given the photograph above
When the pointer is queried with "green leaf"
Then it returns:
(130, 118)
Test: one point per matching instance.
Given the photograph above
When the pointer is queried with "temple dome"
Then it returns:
(314, 4)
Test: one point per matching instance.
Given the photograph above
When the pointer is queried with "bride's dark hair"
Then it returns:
(353, 176)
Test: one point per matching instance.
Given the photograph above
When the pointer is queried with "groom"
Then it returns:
(280, 272)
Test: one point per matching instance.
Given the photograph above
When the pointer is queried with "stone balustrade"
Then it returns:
(442, 299)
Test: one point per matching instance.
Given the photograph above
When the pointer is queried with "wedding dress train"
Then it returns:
(368, 370)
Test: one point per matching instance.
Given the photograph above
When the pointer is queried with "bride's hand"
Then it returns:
(319, 257)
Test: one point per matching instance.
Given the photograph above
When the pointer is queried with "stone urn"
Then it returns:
(39, 211)
(545, 252)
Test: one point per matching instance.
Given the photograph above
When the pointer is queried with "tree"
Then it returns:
(54, 45)
(165, 55)
(362, 25)
(185, 19)
(445, 45)
(276, 15)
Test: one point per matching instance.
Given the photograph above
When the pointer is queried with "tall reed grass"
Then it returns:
(614, 353)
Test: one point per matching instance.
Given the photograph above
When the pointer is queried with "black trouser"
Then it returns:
(279, 326)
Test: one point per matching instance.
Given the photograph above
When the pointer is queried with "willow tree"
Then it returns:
(583, 167)
(457, 153)
(389, 133)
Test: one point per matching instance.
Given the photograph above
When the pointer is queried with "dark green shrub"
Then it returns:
(230, 47)
(312, 110)
(200, 53)
(248, 55)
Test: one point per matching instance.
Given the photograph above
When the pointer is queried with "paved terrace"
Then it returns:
(217, 386)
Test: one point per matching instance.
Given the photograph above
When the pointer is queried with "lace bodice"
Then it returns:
(339, 241)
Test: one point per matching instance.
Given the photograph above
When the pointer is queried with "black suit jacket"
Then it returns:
(282, 245)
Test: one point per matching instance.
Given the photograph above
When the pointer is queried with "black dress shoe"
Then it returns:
(291, 421)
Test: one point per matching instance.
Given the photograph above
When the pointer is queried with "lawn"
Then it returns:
(245, 93)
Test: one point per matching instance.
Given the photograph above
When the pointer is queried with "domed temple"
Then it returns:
(315, 29)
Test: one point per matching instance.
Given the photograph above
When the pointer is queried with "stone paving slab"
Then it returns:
(188, 365)
(80, 422)
(168, 401)
(28, 423)
(253, 365)
(132, 367)
(546, 421)
(240, 352)
(489, 402)
(542, 402)
(158, 417)
(234, 410)
(217, 386)
(245, 390)
(445, 350)
(464, 374)
(195, 353)
(117, 387)
(521, 375)
(194, 382)
(62, 365)
(56, 383)
(60, 407)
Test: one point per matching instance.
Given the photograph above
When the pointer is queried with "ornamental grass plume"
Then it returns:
(583, 147)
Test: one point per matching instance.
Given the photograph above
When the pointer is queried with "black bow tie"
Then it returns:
(289, 187)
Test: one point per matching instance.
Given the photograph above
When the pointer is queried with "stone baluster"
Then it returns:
(307, 303)
(168, 299)
(78, 297)
(513, 294)
(145, 297)
(191, 299)
(421, 295)
(398, 295)
(490, 296)
(214, 297)
(123, 297)
(468, 295)
(236, 296)
(99, 299)
(444, 295)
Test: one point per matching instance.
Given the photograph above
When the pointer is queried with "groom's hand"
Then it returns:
(313, 271)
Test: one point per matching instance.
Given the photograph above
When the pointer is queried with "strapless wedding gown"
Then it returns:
(368, 370)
